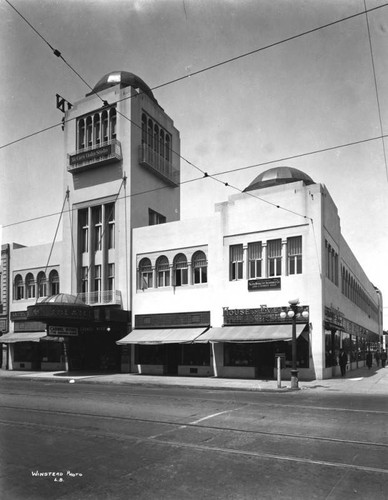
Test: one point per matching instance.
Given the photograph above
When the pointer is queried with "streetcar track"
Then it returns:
(201, 447)
(196, 424)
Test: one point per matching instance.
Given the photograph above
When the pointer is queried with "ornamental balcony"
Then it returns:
(158, 165)
(103, 297)
(94, 156)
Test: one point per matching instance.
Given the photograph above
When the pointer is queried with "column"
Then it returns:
(264, 270)
(284, 258)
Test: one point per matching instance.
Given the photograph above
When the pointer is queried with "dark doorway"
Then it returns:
(173, 352)
(265, 360)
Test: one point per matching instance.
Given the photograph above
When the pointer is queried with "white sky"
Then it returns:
(308, 94)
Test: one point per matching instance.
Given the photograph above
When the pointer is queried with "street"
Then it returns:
(85, 441)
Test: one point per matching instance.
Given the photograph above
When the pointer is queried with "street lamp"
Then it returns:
(293, 312)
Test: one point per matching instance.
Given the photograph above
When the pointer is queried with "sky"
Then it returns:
(292, 98)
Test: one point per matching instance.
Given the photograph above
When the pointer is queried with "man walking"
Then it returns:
(343, 361)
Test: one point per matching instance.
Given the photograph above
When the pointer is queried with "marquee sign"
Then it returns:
(259, 316)
(62, 331)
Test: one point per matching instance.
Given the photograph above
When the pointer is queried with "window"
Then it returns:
(180, 270)
(84, 229)
(30, 286)
(236, 262)
(274, 249)
(54, 283)
(84, 279)
(294, 255)
(163, 271)
(19, 288)
(113, 122)
(331, 263)
(156, 139)
(81, 134)
(97, 281)
(167, 147)
(104, 118)
(42, 285)
(110, 210)
(145, 274)
(155, 218)
(144, 129)
(111, 277)
(199, 265)
(255, 259)
(97, 218)
(97, 129)
(89, 131)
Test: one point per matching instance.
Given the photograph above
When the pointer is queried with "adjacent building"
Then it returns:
(133, 288)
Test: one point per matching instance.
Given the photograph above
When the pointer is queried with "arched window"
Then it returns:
(150, 132)
(19, 287)
(199, 265)
(145, 274)
(144, 129)
(163, 271)
(104, 121)
(156, 138)
(97, 129)
(167, 148)
(113, 121)
(54, 282)
(42, 284)
(30, 286)
(89, 131)
(81, 134)
(161, 143)
(180, 270)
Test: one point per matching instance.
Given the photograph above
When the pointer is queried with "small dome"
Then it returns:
(278, 175)
(63, 298)
(124, 79)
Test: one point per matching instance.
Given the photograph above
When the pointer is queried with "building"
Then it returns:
(133, 288)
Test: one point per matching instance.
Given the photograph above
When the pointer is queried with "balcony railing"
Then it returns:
(94, 156)
(158, 165)
(104, 297)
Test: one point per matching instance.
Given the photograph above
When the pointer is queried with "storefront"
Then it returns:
(168, 345)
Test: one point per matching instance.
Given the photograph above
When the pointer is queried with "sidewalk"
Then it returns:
(361, 381)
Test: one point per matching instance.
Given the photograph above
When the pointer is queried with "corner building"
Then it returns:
(209, 292)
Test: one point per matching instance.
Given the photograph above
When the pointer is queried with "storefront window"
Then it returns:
(346, 344)
(51, 351)
(150, 355)
(24, 351)
(239, 355)
(353, 348)
(330, 351)
(196, 354)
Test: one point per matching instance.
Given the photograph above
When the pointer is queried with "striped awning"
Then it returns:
(11, 338)
(162, 336)
(253, 333)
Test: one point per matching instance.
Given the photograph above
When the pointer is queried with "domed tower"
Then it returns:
(278, 175)
(122, 171)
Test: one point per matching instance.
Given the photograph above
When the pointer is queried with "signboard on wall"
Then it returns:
(91, 155)
(62, 331)
(264, 284)
(259, 316)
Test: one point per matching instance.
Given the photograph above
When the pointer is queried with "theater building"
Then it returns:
(121, 171)
(132, 288)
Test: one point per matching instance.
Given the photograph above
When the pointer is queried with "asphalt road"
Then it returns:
(84, 441)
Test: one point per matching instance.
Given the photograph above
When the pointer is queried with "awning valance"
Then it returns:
(253, 333)
(162, 336)
(11, 338)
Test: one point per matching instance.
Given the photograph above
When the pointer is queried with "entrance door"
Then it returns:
(265, 360)
(173, 352)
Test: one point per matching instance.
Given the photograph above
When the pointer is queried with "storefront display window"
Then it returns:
(240, 355)
(51, 351)
(150, 355)
(24, 351)
(196, 354)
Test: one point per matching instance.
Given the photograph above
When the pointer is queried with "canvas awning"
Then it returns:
(162, 336)
(11, 338)
(253, 333)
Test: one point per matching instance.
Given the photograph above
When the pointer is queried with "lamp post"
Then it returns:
(293, 312)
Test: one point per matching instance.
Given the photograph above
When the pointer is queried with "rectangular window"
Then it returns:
(110, 211)
(84, 230)
(155, 218)
(236, 262)
(84, 280)
(97, 282)
(274, 249)
(255, 259)
(294, 255)
(97, 218)
(111, 277)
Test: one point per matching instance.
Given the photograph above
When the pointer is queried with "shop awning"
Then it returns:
(11, 338)
(162, 336)
(254, 333)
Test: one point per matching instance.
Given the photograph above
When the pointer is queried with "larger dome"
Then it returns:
(278, 175)
(124, 79)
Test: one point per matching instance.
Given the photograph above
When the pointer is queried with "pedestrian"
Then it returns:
(343, 361)
(377, 358)
(383, 357)
(369, 360)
